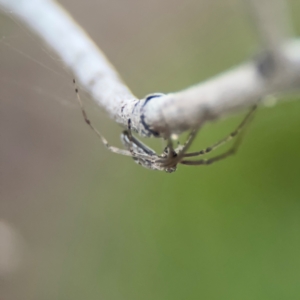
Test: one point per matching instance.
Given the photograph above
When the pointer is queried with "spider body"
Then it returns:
(170, 158)
(145, 156)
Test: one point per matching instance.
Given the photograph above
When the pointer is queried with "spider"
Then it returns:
(170, 158)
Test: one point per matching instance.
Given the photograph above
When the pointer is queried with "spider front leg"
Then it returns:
(129, 144)
(135, 146)
(102, 138)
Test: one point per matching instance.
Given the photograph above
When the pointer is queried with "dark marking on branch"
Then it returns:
(146, 126)
(135, 105)
(266, 64)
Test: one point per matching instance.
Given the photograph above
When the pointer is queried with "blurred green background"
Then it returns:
(88, 224)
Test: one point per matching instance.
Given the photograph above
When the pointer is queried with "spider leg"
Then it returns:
(134, 141)
(187, 143)
(214, 159)
(170, 150)
(180, 150)
(102, 138)
(241, 126)
(130, 136)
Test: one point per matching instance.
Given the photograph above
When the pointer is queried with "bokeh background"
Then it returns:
(78, 222)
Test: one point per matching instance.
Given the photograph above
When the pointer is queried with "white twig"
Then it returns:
(271, 22)
(276, 70)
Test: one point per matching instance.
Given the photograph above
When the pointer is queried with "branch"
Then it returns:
(271, 22)
(276, 70)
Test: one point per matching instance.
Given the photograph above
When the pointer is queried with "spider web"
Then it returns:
(30, 70)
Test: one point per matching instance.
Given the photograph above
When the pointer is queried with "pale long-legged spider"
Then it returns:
(168, 160)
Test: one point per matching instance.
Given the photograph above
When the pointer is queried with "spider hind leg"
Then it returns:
(239, 131)
(228, 138)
